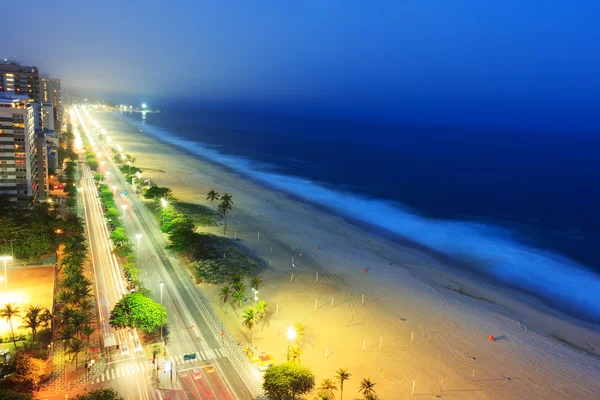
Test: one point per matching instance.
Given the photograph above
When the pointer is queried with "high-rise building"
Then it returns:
(21, 80)
(42, 166)
(18, 163)
(51, 94)
(48, 118)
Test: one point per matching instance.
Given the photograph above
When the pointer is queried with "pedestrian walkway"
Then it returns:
(122, 371)
(203, 355)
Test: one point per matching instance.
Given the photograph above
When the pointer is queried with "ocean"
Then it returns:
(520, 208)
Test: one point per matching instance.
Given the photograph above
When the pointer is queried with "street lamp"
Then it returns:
(5, 259)
(138, 237)
(163, 202)
(114, 188)
(123, 207)
(291, 335)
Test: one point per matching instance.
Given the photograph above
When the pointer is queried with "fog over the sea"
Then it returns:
(526, 64)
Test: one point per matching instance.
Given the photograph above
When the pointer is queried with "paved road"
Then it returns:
(187, 332)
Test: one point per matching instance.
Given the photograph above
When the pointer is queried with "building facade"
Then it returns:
(16, 79)
(51, 94)
(41, 155)
(48, 117)
(18, 162)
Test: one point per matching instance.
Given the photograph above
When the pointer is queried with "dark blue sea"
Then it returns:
(521, 207)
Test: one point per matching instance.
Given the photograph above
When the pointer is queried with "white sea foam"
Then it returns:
(556, 279)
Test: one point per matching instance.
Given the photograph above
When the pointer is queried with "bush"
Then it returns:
(288, 380)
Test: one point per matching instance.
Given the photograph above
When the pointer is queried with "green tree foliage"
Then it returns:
(288, 380)
(212, 196)
(156, 192)
(33, 319)
(135, 310)
(100, 394)
(27, 370)
(6, 394)
(119, 237)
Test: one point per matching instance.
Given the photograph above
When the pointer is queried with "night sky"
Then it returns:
(525, 64)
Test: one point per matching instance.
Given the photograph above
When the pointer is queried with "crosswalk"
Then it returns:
(203, 355)
(124, 370)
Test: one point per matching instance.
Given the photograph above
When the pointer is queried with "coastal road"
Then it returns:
(187, 331)
(128, 360)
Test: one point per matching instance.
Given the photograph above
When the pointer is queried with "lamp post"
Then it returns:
(164, 203)
(114, 188)
(291, 334)
(123, 207)
(138, 237)
(5, 259)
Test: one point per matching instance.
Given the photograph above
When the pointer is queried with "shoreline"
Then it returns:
(453, 287)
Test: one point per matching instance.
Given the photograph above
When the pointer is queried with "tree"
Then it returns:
(9, 311)
(249, 321)
(32, 320)
(46, 318)
(256, 281)
(287, 380)
(135, 310)
(76, 346)
(156, 192)
(87, 331)
(27, 370)
(327, 387)
(238, 298)
(6, 394)
(261, 310)
(224, 207)
(100, 394)
(119, 236)
(212, 196)
(224, 294)
(300, 329)
(295, 353)
(367, 388)
(341, 376)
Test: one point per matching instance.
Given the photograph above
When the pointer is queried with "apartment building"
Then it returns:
(17, 79)
(51, 94)
(18, 163)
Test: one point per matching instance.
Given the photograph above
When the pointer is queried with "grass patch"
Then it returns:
(208, 264)
(201, 215)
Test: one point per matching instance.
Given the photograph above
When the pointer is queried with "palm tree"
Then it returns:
(342, 375)
(249, 321)
(76, 346)
(367, 388)
(239, 286)
(256, 281)
(327, 386)
(295, 353)
(87, 331)
(9, 311)
(238, 298)
(224, 294)
(224, 207)
(212, 196)
(261, 310)
(46, 318)
(67, 334)
(300, 329)
(235, 278)
(32, 320)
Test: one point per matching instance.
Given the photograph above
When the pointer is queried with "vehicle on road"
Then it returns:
(197, 374)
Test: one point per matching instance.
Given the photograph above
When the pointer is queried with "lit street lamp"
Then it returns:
(291, 335)
(114, 188)
(123, 207)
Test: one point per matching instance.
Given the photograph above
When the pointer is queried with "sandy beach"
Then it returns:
(410, 319)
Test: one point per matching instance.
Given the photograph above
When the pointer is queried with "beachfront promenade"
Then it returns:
(192, 326)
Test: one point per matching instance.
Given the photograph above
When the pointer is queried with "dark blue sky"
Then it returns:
(516, 63)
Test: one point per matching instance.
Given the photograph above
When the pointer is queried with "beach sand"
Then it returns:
(422, 321)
